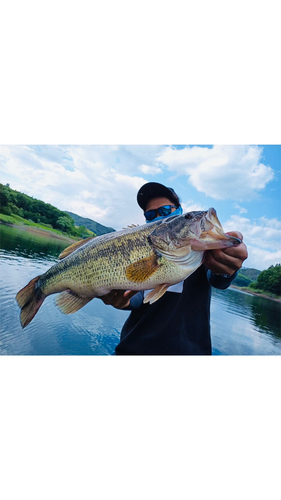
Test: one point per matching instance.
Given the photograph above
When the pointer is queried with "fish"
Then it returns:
(152, 257)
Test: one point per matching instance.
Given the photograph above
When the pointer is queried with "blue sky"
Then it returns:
(100, 182)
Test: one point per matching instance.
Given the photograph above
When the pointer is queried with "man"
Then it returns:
(179, 322)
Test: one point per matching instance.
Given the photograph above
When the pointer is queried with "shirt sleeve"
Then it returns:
(220, 281)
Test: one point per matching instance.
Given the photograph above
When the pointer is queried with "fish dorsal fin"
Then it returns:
(69, 302)
(67, 251)
(155, 294)
(142, 269)
(130, 226)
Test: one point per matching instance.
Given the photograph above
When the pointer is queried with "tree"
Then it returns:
(269, 280)
(4, 196)
(64, 223)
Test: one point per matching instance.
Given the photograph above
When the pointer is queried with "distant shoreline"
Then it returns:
(263, 295)
(40, 231)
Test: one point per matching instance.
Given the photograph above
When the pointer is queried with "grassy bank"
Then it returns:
(16, 220)
(259, 293)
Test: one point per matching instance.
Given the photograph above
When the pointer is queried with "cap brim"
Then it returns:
(154, 190)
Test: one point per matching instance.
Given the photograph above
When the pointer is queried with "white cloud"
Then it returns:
(191, 206)
(222, 172)
(264, 233)
(86, 195)
(92, 181)
(262, 259)
(242, 210)
(262, 237)
(146, 169)
(275, 223)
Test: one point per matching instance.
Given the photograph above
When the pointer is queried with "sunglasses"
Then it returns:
(162, 211)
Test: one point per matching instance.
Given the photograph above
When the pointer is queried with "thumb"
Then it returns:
(237, 234)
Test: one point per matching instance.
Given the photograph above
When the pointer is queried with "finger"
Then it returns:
(122, 299)
(109, 297)
(112, 293)
(223, 266)
(239, 252)
(236, 234)
(130, 293)
(119, 293)
(221, 257)
(125, 293)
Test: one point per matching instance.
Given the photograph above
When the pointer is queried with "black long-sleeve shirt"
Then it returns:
(177, 323)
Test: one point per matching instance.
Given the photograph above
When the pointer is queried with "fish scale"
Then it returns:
(148, 257)
(105, 261)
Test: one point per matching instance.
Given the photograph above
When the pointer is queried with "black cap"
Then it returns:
(154, 190)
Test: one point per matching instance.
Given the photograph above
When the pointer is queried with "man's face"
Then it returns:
(155, 203)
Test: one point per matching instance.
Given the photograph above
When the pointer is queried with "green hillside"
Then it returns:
(250, 272)
(90, 224)
(21, 209)
(267, 282)
(246, 276)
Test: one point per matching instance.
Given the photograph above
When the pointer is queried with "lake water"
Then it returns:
(241, 324)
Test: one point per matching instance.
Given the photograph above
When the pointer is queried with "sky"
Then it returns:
(242, 182)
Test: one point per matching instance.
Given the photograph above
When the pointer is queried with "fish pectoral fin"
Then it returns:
(67, 251)
(155, 294)
(142, 269)
(69, 302)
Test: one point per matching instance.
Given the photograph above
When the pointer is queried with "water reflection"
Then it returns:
(20, 242)
(244, 324)
(263, 313)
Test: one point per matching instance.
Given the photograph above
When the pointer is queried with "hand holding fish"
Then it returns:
(227, 260)
(118, 298)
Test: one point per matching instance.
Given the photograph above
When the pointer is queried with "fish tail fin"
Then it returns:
(30, 298)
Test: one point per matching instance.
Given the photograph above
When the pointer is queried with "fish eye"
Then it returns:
(188, 216)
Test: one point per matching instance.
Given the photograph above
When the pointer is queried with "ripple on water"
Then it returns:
(242, 325)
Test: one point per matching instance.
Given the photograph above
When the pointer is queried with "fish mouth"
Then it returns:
(201, 231)
(213, 236)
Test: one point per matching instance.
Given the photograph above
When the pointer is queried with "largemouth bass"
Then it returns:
(153, 257)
